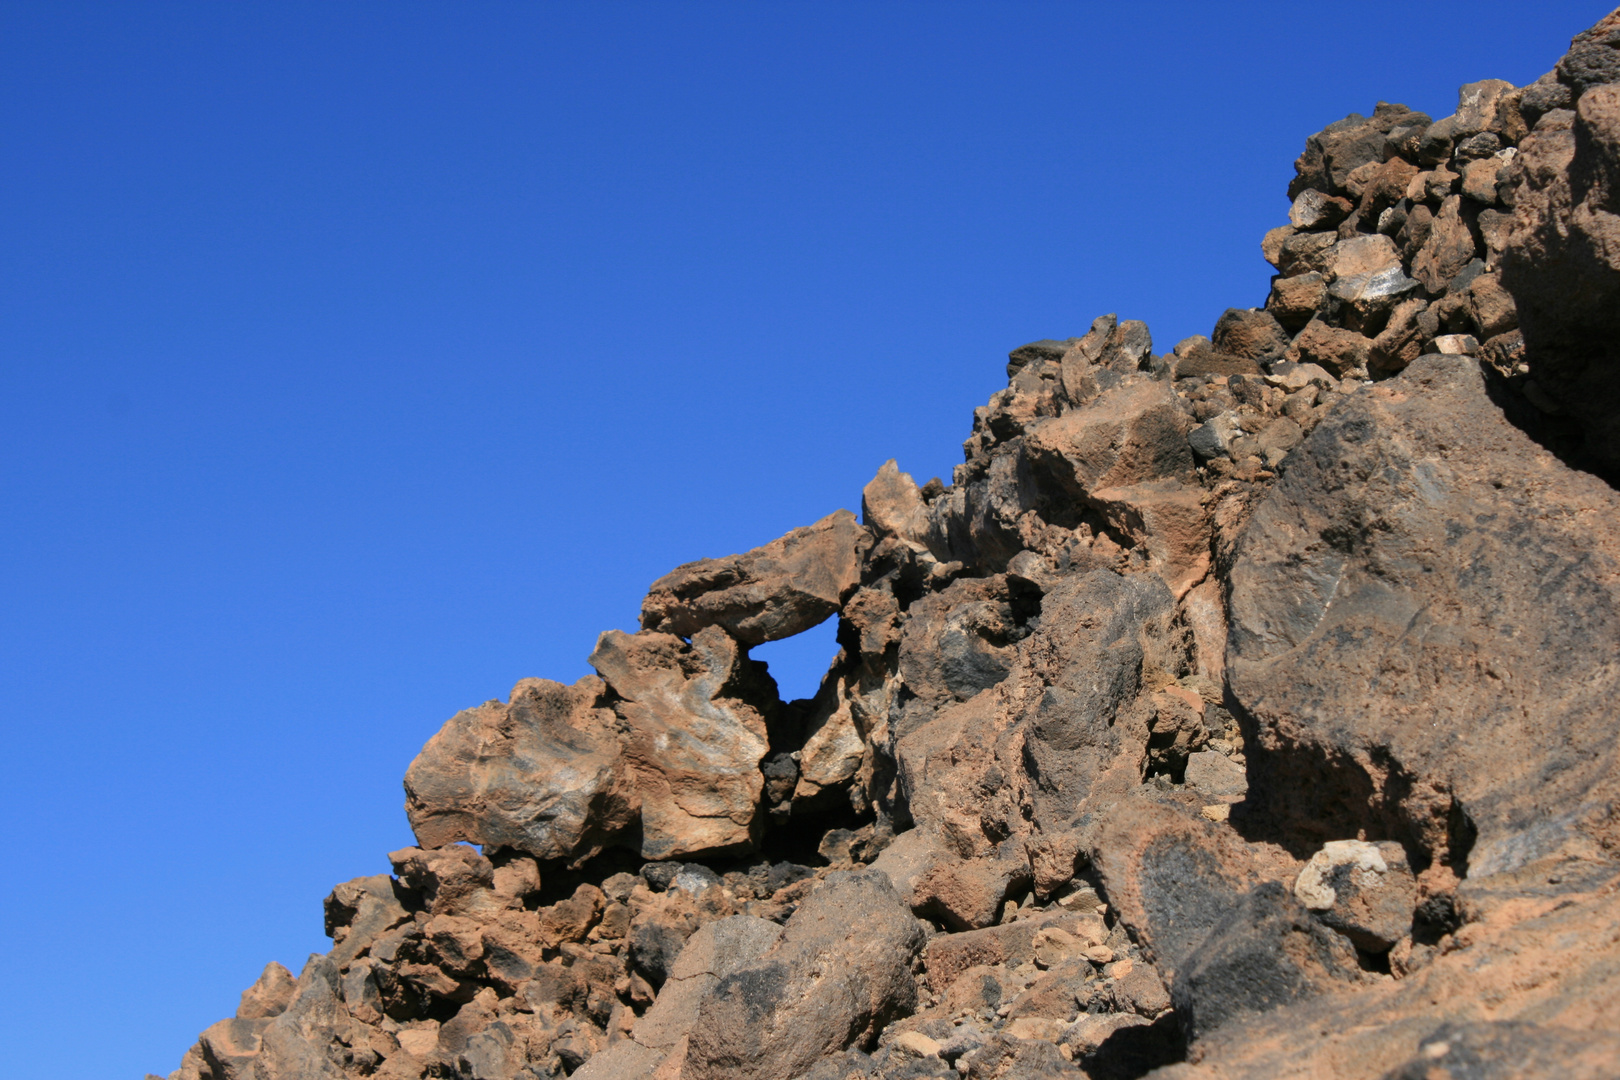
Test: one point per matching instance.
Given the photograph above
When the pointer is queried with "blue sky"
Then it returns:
(360, 359)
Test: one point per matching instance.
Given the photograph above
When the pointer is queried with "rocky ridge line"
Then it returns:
(1243, 711)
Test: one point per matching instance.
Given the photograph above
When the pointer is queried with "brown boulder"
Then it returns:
(1449, 248)
(1561, 261)
(269, 995)
(1294, 300)
(1423, 623)
(841, 972)
(891, 505)
(1131, 434)
(542, 773)
(1169, 520)
(1342, 352)
(1170, 875)
(771, 592)
(691, 742)
(1253, 335)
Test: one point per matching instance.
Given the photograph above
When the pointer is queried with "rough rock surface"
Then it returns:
(1240, 711)
(772, 592)
(541, 773)
(1392, 607)
(1561, 256)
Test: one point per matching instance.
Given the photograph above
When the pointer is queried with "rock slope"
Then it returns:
(1242, 711)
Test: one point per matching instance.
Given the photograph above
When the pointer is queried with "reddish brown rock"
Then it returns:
(771, 592)
(1343, 352)
(1449, 248)
(841, 971)
(1421, 626)
(542, 773)
(1169, 520)
(1561, 261)
(891, 505)
(691, 744)
(1136, 433)
(1294, 300)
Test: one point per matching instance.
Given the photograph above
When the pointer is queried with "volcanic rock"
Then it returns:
(1242, 712)
(771, 592)
(692, 747)
(840, 972)
(543, 773)
(1402, 669)
(1364, 891)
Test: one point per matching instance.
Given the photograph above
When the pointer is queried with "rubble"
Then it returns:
(1240, 711)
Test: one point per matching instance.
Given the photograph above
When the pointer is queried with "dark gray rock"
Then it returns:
(1266, 953)
(841, 971)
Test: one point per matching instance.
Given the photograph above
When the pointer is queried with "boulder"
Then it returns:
(1363, 890)
(1336, 151)
(1561, 261)
(1129, 435)
(269, 995)
(357, 913)
(1422, 623)
(1171, 876)
(891, 505)
(841, 971)
(766, 594)
(715, 951)
(542, 773)
(692, 744)
(1265, 953)
(1250, 334)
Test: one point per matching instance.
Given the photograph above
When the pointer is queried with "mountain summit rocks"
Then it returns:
(1243, 710)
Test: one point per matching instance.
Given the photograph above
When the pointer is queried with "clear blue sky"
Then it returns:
(360, 359)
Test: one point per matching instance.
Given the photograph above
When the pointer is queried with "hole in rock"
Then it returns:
(799, 662)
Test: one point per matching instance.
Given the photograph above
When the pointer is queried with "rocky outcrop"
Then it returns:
(1561, 255)
(1237, 711)
(1393, 635)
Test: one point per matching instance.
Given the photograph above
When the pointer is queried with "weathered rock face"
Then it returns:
(772, 592)
(1243, 710)
(1423, 624)
(841, 971)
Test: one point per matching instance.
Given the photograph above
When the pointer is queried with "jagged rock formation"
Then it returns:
(1243, 711)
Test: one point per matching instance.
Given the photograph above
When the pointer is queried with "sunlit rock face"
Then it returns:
(1243, 709)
